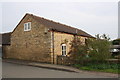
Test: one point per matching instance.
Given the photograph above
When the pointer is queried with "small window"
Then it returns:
(27, 26)
(64, 49)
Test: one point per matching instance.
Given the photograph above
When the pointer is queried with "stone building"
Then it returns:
(39, 39)
(4, 41)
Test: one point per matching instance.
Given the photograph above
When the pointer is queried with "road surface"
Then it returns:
(11, 70)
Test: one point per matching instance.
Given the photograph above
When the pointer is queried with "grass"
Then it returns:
(102, 67)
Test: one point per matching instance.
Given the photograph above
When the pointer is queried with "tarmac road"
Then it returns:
(11, 70)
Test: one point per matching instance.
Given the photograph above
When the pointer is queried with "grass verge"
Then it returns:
(101, 67)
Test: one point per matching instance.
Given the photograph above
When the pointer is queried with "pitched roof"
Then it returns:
(5, 38)
(60, 27)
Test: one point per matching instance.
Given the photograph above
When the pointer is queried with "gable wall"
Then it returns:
(35, 45)
(30, 45)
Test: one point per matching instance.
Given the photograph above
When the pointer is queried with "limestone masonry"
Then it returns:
(43, 42)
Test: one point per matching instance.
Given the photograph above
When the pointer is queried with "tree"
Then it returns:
(78, 51)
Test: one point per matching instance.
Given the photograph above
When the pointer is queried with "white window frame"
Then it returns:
(64, 49)
(27, 26)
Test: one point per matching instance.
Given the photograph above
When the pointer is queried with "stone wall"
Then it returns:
(63, 38)
(5, 50)
(34, 45)
(64, 60)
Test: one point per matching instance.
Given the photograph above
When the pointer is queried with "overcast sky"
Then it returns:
(92, 17)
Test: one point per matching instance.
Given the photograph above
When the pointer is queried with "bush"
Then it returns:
(95, 50)
(99, 49)
(78, 51)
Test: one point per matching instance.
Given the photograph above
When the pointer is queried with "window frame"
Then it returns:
(64, 50)
(27, 26)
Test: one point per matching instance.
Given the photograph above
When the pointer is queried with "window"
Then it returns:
(64, 49)
(27, 26)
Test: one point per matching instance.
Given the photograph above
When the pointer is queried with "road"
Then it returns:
(21, 71)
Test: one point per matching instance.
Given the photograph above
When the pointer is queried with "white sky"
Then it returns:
(92, 17)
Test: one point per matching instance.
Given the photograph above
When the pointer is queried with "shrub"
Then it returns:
(78, 51)
(99, 50)
(95, 50)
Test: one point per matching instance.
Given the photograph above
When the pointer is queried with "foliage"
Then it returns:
(79, 50)
(104, 37)
(104, 67)
(94, 50)
(99, 49)
(92, 55)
